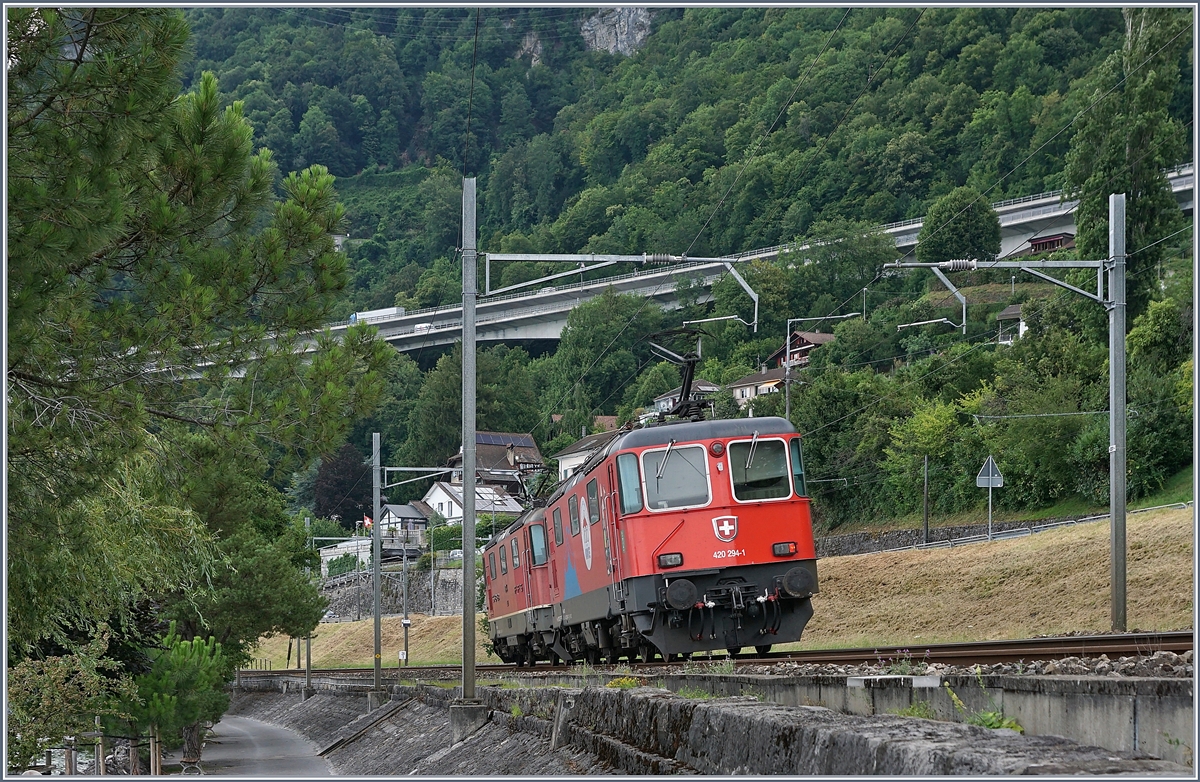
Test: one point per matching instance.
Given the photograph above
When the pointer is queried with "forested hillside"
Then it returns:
(730, 129)
(764, 120)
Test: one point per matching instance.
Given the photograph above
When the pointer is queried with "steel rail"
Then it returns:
(972, 653)
(990, 652)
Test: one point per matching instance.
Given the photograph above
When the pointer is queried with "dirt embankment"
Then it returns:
(1048, 583)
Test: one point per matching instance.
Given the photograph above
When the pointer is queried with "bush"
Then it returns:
(346, 563)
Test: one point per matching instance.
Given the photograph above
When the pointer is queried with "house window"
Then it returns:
(440, 507)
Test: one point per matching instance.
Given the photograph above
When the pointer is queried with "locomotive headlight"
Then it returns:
(717, 448)
(783, 549)
(670, 560)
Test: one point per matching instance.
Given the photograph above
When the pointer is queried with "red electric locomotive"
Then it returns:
(678, 538)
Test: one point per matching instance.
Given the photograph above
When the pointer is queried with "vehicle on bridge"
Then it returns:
(678, 538)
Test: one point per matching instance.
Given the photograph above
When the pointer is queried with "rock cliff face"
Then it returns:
(616, 30)
(531, 46)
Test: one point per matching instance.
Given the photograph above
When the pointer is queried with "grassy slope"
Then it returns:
(1052, 582)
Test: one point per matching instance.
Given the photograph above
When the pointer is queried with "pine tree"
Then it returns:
(159, 289)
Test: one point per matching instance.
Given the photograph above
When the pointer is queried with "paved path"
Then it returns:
(244, 747)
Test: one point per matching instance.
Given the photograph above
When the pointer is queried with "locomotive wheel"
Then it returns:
(530, 659)
(734, 650)
(612, 657)
(520, 660)
(763, 651)
(592, 656)
(646, 652)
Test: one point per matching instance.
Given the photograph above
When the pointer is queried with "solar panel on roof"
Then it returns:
(488, 438)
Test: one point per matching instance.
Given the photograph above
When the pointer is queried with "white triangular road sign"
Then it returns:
(989, 475)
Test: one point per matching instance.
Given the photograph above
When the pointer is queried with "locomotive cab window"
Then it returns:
(516, 558)
(630, 483)
(676, 477)
(798, 469)
(759, 470)
(558, 536)
(537, 545)
(573, 509)
(503, 559)
(492, 563)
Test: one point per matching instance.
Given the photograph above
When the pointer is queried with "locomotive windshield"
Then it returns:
(759, 469)
(676, 477)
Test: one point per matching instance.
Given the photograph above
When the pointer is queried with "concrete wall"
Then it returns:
(653, 731)
(1136, 715)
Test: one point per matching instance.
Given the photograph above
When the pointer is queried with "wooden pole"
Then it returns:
(100, 769)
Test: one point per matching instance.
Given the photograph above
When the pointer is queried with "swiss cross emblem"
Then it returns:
(725, 528)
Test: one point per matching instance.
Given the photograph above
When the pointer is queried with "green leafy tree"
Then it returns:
(59, 696)
(840, 257)
(960, 224)
(343, 487)
(346, 563)
(317, 141)
(928, 432)
(505, 402)
(1124, 143)
(599, 353)
(1161, 337)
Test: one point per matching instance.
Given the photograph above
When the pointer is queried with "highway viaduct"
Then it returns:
(542, 314)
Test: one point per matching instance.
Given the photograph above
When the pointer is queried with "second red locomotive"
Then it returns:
(673, 539)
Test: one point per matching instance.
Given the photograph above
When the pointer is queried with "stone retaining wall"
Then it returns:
(873, 542)
(352, 598)
(648, 730)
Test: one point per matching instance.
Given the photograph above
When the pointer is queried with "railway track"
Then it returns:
(978, 652)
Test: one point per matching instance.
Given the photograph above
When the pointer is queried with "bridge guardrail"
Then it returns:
(401, 331)
(1178, 171)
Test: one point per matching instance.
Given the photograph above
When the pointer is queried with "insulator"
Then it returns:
(957, 266)
(659, 258)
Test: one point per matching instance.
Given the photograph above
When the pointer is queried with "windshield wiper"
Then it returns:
(662, 466)
(753, 446)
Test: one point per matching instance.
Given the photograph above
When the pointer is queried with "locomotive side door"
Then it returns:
(518, 548)
(555, 545)
(612, 533)
(537, 565)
